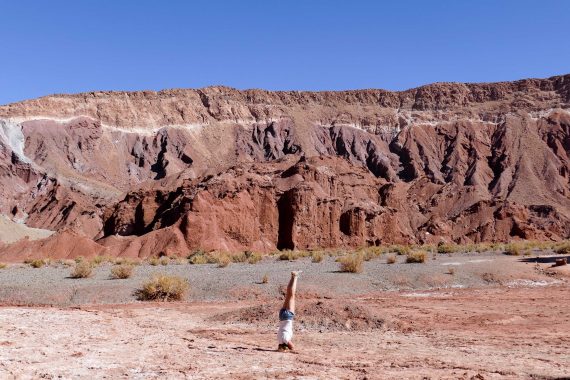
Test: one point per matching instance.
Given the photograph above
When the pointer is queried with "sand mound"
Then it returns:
(316, 315)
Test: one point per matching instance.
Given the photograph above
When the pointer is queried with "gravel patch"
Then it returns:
(21, 284)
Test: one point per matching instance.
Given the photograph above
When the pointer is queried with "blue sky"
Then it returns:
(61, 46)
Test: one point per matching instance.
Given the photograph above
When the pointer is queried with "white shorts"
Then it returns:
(285, 332)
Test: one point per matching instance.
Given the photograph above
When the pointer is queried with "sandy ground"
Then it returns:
(508, 330)
(11, 231)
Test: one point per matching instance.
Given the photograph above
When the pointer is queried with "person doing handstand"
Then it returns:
(286, 315)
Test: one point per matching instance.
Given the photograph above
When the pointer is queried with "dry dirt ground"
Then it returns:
(491, 332)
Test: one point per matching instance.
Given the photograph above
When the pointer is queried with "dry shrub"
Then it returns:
(37, 263)
(447, 248)
(317, 256)
(513, 249)
(198, 259)
(391, 259)
(122, 271)
(97, 260)
(66, 262)
(163, 287)
(79, 259)
(562, 248)
(351, 263)
(265, 279)
(416, 257)
(240, 257)
(253, 257)
(83, 269)
(3, 265)
(224, 261)
(288, 255)
(164, 260)
(451, 271)
(154, 261)
(126, 261)
(400, 249)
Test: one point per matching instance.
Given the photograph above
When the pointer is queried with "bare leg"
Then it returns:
(289, 303)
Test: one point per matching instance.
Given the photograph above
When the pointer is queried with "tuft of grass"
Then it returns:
(126, 261)
(562, 248)
(224, 261)
(164, 260)
(265, 279)
(83, 269)
(164, 288)
(79, 259)
(122, 271)
(416, 257)
(391, 259)
(400, 249)
(154, 261)
(513, 249)
(3, 265)
(288, 255)
(253, 257)
(97, 260)
(447, 248)
(37, 263)
(351, 263)
(451, 270)
(317, 256)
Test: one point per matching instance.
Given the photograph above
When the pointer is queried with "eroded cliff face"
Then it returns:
(220, 168)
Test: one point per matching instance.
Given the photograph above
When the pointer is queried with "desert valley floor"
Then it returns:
(491, 317)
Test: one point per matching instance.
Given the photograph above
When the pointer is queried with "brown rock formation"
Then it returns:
(219, 168)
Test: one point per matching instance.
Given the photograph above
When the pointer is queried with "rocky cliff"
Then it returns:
(147, 172)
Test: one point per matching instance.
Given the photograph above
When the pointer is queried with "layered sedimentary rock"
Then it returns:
(218, 168)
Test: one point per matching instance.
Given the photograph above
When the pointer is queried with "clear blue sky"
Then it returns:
(72, 46)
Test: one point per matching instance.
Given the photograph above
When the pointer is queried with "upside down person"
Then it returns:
(286, 315)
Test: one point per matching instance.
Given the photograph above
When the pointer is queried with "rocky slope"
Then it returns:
(218, 168)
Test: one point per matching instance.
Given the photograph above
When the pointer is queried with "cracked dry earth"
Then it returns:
(492, 333)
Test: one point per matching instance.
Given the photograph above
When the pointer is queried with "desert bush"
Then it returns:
(66, 262)
(416, 257)
(562, 248)
(121, 271)
(451, 271)
(164, 260)
(446, 248)
(37, 263)
(3, 265)
(400, 249)
(317, 256)
(198, 260)
(254, 257)
(351, 263)
(83, 269)
(288, 255)
(513, 249)
(97, 260)
(79, 259)
(163, 287)
(265, 279)
(390, 259)
(224, 261)
(154, 261)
